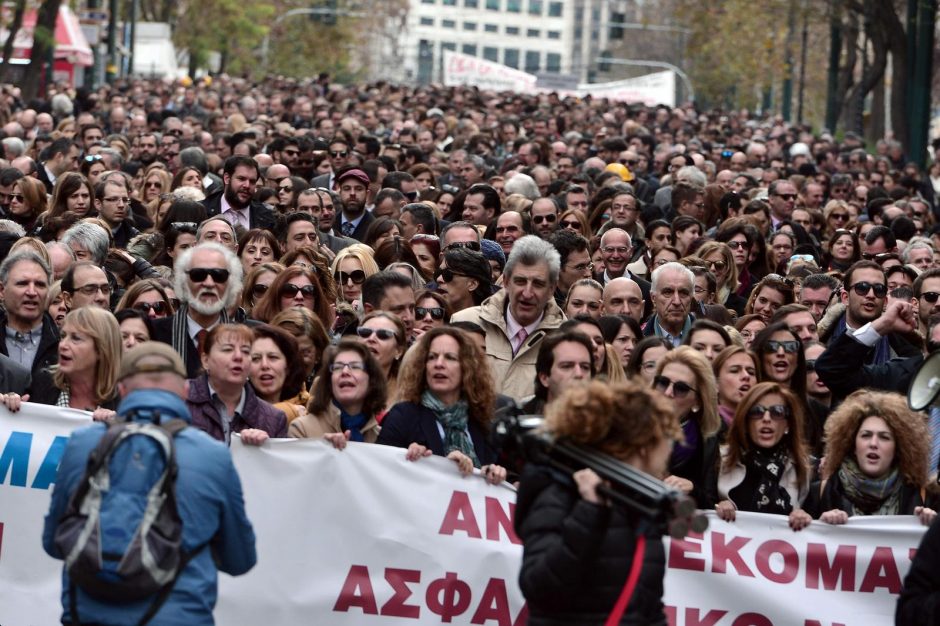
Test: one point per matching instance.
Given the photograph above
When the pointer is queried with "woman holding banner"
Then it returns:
(578, 549)
(765, 466)
(877, 451)
(448, 404)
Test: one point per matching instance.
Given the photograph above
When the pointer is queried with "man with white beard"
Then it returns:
(207, 280)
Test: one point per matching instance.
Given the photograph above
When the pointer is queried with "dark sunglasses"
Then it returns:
(473, 245)
(930, 296)
(841, 217)
(716, 265)
(679, 388)
(145, 307)
(880, 257)
(811, 365)
(381, 333)
(734, 245)
(339, 154)
(446, 275)
(199, 274)
(15, 196)
(289, 290)
(436, 313)
(863, 287)
(778, 412)
(538, 219)
(356, 276)
(790, 347)
(259, 289)
(786, 196)
(568, 224)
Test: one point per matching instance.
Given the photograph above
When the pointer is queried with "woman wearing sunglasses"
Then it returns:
(765, 467)
(221, 400)
(147, 296)
(837, 215)
(877, 456)
(384, 335)
(257, 283)
(296, 286)
(27, 203)
(351, 267)
(464, 278)
(431, 311)
(781, 360)
(348, 396)
(447, 405)
(684, 376)
(720, 261)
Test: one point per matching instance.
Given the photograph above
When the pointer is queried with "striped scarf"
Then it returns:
(181, 340)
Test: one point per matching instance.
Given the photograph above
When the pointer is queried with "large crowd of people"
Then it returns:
(391, 265)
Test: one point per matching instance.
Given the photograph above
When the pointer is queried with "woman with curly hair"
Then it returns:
(765, 466)
(578, 549)
(447, 404)
(877, 452)
(684, 377)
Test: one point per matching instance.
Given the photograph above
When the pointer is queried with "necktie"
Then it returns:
(348, 229)
(520, 339)
(934, 438)
(201, 340)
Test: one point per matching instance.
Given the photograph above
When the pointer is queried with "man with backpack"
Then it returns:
(146, 510)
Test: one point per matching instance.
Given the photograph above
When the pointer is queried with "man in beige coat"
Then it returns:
(520, 315)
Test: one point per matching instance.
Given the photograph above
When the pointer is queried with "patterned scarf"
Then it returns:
(871, 496)
(454, 420)
(180, 337)
(768, 464)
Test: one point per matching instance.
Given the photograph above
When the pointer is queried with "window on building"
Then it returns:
(427, 21)
(471, 4)
(553, 62)
(533, 32)
(514, 6)
(427, 1)
(512, 30)
(554, 34)
(449, 45)
(448, 24)
(470, 48)
(491, 28)
(533, 61)
(493, 5)
(491, 54)
(555, 9)
(511, 57)
(535, 7)
(469, 25)
(449, 3)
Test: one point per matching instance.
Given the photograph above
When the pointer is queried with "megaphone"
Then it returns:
(925, 387)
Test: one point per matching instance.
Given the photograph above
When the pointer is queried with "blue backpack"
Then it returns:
(122, 541)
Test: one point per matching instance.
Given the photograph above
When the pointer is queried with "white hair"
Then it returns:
(671, 267)
(233, 287)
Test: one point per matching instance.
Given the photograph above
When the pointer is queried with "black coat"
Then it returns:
(48, 352)
(702, 469)
(830, 494)
(14, 378)
(919, 603)
(163, 332)
(407, 423)
(259, 216)
(577, 555)
(360, 232)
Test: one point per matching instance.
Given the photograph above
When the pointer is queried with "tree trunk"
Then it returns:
(896, 42)
(8, 46)
(43, 46)
(846, 79)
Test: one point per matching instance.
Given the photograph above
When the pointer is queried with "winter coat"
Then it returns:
(256, 414)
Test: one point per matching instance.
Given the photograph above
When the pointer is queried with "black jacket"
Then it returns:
(919, 604)
(259, 216)
(360, 232)
(839, 367)
(577, 555)
(407, 423)
(702, 469)
(829, 495)
(48, 352)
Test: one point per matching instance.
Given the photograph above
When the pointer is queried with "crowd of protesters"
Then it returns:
(339, 261)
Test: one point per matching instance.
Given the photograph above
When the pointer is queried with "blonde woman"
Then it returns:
(351, 267)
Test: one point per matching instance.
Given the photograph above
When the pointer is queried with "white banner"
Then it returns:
(463, 69)
(649, 89)
(364, 537)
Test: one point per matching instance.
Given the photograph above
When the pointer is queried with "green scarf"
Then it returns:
(454, 420)
(870, 496)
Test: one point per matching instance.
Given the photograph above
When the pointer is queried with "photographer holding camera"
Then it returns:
(579, 549)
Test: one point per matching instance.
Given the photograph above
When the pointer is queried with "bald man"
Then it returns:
(622, 296)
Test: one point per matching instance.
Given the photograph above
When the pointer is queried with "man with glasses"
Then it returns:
(624, 211)
(338, 154)
(927, 293)
(285, 151)
(114, 205)
(8, 178)
(320, 204)
(879, 240)
(235, 203)
(86, 284)
(782, 198)
(544, 214)
(170, 152)
(510, 226)
(207, 279)
(616, 251)
(575, 253)
(459, 235)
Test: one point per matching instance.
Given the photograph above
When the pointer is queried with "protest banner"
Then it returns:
(463, 69)
(362, 536)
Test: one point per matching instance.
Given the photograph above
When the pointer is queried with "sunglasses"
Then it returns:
(538, 219)
(339, 155)
(930, 296)
(15, 196)
(289, 291)
(790, 347)
(199, 274)
(841, 217)
(716, 265)
(734, 245)
(863, 287)
(786, 196)
(446, 275)
(473, 245)
(145, 307)
(572, 225)
(679, 388)
(91, 158)
(356, 276)
(880, 257)
(811, 365)
(778, 412)
(381, 333)
(259, 289)
(436, 313)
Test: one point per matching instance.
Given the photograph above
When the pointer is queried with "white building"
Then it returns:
(551, 37)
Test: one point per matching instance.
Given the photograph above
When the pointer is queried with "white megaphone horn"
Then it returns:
(925, 387)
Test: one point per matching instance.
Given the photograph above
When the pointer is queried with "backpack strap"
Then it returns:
(164, 593)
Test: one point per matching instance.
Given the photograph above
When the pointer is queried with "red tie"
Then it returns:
(201, 340)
